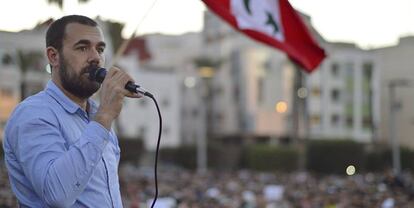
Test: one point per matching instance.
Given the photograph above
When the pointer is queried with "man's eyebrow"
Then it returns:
(101, 44)
(82, 42)
(88, 42)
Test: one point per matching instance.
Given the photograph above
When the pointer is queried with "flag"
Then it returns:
(275, 23)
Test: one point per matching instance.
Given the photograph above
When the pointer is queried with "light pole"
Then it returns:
(394, 107)
(299, 115)
(206, 73)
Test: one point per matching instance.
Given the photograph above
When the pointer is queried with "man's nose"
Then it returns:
(95, 56)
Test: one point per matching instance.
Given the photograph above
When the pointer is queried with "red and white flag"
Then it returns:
(273, 22)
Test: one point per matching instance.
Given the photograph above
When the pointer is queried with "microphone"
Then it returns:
(98, 74)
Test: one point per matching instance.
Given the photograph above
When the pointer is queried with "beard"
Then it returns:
(76, 84)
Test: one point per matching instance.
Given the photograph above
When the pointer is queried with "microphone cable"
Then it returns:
(98, 74)
(118, 54)
(157, 148)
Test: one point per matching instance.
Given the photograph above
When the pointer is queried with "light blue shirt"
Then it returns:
(57, 156)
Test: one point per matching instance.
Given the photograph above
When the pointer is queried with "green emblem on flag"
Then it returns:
(247, 5)
(271, 21)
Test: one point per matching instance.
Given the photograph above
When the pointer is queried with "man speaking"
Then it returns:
(59, 148)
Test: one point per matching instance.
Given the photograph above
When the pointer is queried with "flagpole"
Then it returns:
(299, 121)
(120, 51)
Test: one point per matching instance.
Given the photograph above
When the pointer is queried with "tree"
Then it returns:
(115, 31)
(60, 2)
(27, 61)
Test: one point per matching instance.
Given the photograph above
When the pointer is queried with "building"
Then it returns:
(21, 69)
(397, 63)
(341, 97)
(139, 118)
(344, 94)
(250, 81)
(177, 55)
(220, 83)
(9, 87)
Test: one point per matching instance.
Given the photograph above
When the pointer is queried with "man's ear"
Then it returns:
(53, 57)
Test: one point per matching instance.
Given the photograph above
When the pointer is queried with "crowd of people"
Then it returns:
(7, 199)
(248, 189)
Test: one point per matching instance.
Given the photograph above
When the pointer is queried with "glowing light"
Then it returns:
(189, 82)
(350, 170)
(281, 107)
(206, 72)
(302, 92)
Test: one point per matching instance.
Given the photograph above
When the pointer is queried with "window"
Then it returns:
(349, 96)
(316, 91)
(335, 69)
(367, 69)
(367, 76)
(315, 120)
(349, 122)
(6, 59)
(267, 65)
(367, 94)
(335, 95)
(366, 122)
(335, 120)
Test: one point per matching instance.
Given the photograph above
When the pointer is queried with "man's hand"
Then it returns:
(112, 95)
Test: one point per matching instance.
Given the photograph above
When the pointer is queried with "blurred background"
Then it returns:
(242, 125)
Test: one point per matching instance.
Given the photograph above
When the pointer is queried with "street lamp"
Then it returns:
(207, 73)
(281, 107)
(394, 107)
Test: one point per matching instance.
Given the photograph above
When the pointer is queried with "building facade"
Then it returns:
(397, 63)
(341, 96)
(344, 94)
(21, 69)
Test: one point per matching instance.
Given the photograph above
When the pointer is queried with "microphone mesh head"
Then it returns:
(97, 74)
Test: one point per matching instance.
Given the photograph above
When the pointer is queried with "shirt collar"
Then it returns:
(66, 102)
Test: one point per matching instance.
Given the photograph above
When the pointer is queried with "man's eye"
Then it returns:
(101, 50)
(83, 48)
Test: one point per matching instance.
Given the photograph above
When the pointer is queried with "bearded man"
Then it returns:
(60, 150)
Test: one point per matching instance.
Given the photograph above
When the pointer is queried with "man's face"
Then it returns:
(83, 46)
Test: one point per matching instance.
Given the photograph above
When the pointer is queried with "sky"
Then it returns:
(368, 23)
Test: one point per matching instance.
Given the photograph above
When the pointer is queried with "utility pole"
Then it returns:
(207, 74)
(299, 121)
(394, 107)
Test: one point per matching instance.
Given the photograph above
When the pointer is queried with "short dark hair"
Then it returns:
(56, 31)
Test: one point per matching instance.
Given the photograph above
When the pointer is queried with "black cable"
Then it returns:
(98, 74)
(157, 149)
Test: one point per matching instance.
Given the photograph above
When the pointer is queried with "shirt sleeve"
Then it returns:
(57, 174)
